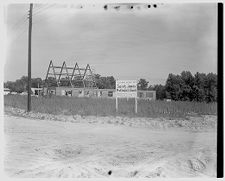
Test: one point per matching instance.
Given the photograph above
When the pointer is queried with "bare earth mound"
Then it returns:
(109, 146)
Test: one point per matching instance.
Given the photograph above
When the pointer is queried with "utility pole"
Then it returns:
(29, 59)
(38, 89)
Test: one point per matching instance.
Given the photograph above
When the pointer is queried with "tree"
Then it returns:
(198, 90)
(142, 84)
(51, 81)
(111, 82)
(11, 85)
(160, 91)
(187, 85)
(20, 85)
(65, 82)
(36, 82)
(151, 87)
(108, 82)
(211, 87)
(98, 81)
(173, 87)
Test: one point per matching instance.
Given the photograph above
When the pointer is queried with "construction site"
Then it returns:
(80, 82)
(96, 116)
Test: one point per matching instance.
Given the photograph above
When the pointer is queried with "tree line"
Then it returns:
(200, 87)
(20, 85)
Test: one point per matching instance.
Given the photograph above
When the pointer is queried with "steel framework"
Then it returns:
(76, 76)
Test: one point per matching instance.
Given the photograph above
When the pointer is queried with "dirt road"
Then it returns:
(42, 148)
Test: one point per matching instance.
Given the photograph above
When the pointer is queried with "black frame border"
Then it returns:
(220, 158)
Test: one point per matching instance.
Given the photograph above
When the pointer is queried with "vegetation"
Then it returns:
(186, 87)
(142, 84)
(20, 85)
(183, 87)
(106, 106)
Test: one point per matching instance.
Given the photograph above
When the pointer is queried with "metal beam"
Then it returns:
(75, 75)
(46, 79)
(68, 75)
(54, 74)
(61, 72)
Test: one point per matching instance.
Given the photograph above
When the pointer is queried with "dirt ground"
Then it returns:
(47, 148)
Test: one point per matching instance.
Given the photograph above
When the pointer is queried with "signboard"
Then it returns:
(126, 88)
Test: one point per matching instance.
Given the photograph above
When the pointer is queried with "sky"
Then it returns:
(126, 43)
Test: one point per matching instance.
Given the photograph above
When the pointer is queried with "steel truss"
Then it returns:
(73, 75)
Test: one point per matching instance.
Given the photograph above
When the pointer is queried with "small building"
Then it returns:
(36, 91)
(6, 91)
(24, 93)
(150, 95)
(98, 93)
(49, 90)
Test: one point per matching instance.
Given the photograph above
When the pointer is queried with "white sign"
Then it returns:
(126, 88)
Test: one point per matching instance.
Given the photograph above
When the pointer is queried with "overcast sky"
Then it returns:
(127, 44)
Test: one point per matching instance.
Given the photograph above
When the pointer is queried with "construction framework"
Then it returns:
(75, 76)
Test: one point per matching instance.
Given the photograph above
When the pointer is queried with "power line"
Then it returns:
(43, 9)
(42, 19)
(18, 31)
(40, 7)
(38, 10)
(39, 13)
(20, 34)
(19, 22)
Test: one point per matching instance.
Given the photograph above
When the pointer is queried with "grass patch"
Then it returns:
(106, 107)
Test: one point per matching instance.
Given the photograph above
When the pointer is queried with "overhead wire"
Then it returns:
(37, 21)
(36, 11)
(20, 34)
(37, 16)
(20, 22)
(39, 7)
(43, 9)
(19, 28)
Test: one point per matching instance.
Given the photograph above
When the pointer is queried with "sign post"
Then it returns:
(126, 89)
(116, 104)
(135, 105)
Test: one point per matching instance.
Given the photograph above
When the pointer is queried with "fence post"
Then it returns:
(116, 104)
(135, 105)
